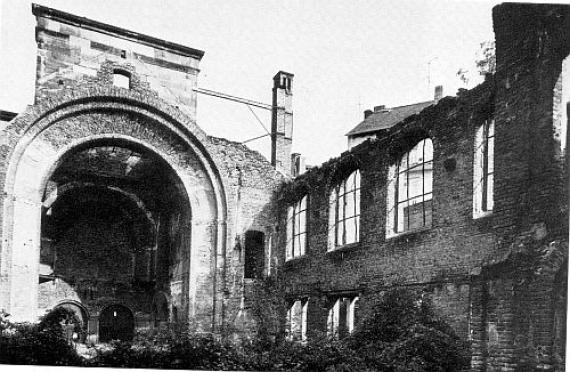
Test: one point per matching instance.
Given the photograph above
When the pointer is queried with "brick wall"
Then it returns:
(450, 259)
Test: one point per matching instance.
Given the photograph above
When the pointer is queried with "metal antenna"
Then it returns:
(429, 73)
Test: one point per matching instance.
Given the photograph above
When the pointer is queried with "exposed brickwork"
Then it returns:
(499, 279)
(472, 268)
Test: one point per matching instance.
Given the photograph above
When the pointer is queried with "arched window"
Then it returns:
(122, 79)
(344, 212)
(410, 190)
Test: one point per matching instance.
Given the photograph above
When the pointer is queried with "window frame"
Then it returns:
(395, 223)
(339, 203)
(297, 223)
(300, 334)
(337, 327)
(484, 169)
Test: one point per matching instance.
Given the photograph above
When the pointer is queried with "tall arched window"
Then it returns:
(410, 190)
(344, 211)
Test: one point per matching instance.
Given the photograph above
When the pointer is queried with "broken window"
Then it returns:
(122, 79)
(342, 316)
(297, 229)
(297, 320)
(410, 190)
(254, 246)
(483, 168)
(344, 211)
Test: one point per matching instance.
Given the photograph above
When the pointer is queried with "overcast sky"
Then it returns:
(347, 56)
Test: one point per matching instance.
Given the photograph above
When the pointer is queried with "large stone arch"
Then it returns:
(37, 140)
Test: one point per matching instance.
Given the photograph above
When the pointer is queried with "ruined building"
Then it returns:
(117, 205)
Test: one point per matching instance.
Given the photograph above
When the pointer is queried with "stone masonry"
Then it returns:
(116, 203)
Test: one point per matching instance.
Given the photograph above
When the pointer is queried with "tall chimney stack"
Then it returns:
(438, 93)
(282, 122)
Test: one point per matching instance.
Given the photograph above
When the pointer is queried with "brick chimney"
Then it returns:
(282, 122)
(298, 166)
(438, 93)
(367, 113)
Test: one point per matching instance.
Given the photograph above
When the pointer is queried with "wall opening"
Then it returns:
(115, 225)
(122, 79)
(116, 322)
(254, 254)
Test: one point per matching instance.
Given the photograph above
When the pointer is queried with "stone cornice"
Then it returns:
(89, 24)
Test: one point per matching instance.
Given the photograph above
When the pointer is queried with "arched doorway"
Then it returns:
(82, 318)
(125, 145)
(116, 322)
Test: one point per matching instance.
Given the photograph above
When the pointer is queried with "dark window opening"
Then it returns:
(254, 254)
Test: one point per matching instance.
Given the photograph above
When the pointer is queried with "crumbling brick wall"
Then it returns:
(451, 260)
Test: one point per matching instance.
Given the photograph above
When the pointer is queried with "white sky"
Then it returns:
(347, 56)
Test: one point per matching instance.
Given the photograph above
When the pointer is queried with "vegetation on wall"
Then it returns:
(400, 333)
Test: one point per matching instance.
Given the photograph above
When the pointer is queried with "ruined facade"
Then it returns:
(465, 202)
(118, 206)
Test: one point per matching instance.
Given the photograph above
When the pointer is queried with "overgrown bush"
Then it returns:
(401, 333)
(44, 343)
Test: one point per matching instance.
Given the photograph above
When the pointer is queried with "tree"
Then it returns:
(485, 62)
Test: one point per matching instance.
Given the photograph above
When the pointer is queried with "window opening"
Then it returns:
(297, 321)
(297, 229)
(254, 257)
(342, 316)
(413, 190)
(122, 79)
(344, 209)
(483, 169)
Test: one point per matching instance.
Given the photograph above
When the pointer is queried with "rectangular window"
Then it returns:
(344, 212)
(254, 254)
(342, 316)
(297, 321)
(297, 229)
(483, 169)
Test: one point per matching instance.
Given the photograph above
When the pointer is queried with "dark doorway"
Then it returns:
(116, 323)
(254, 242)
(79, 321)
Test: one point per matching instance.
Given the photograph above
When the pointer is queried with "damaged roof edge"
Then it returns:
(89, 24)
